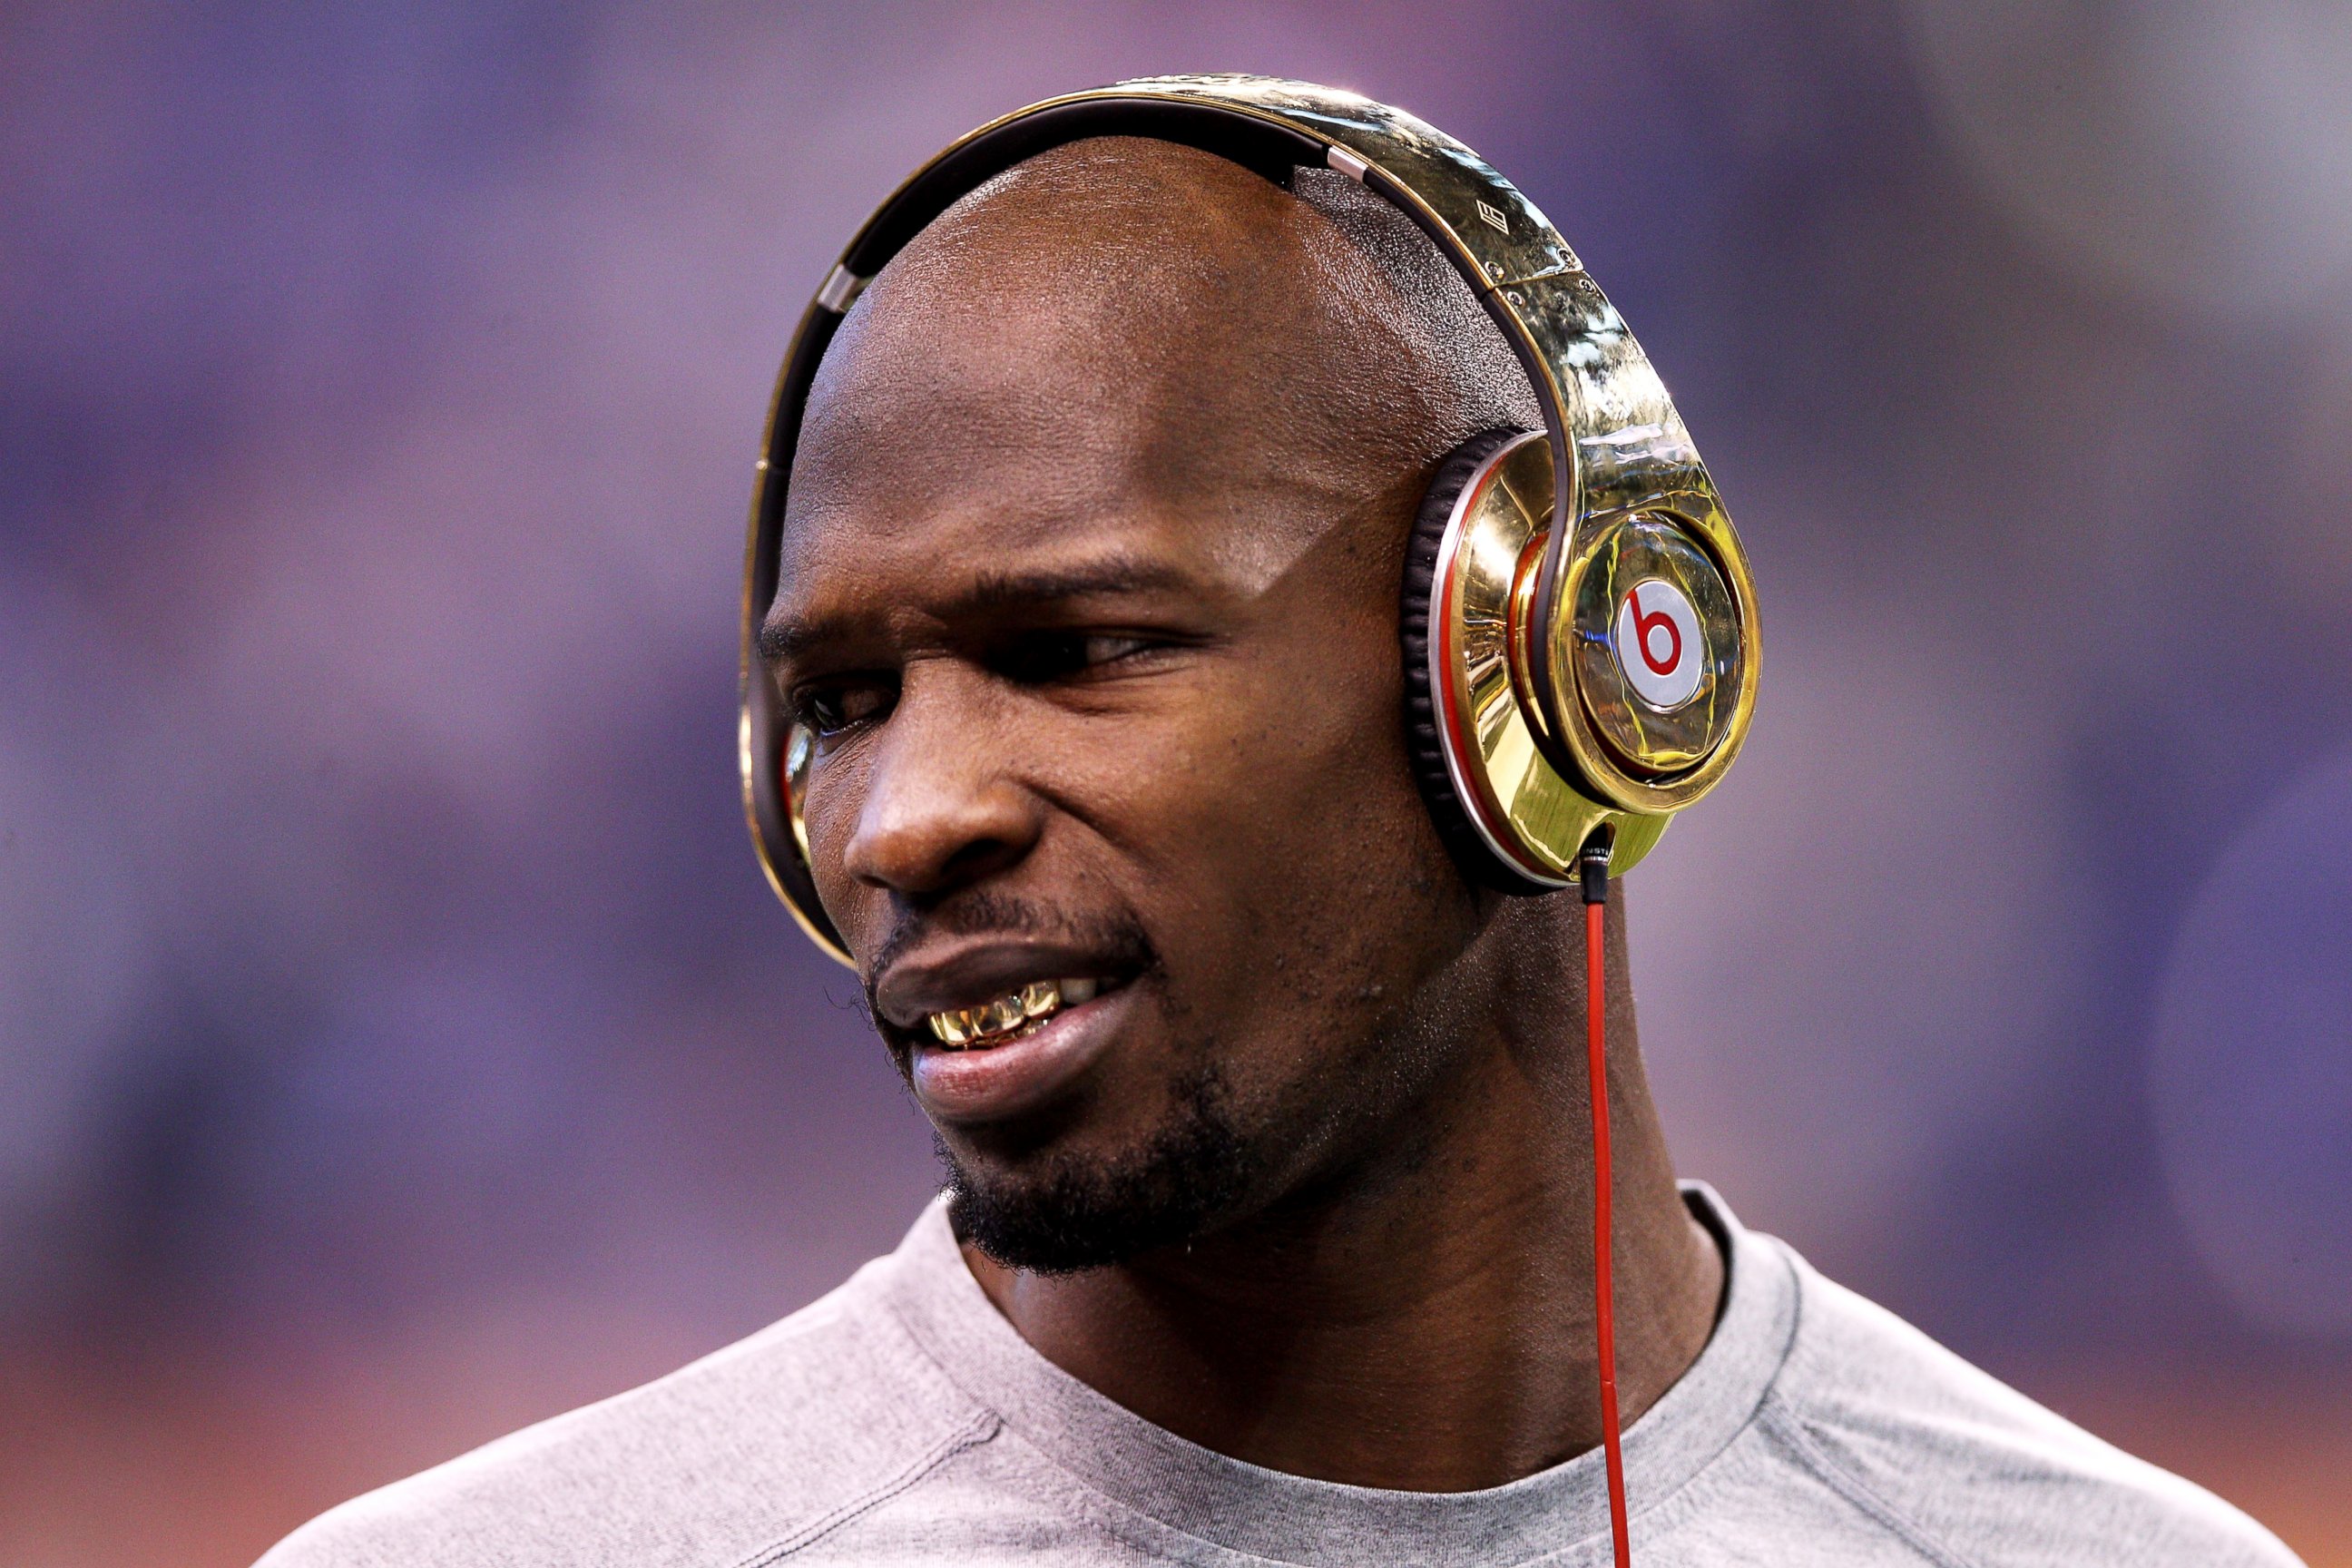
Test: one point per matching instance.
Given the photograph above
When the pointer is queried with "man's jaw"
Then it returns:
(1076, 1211)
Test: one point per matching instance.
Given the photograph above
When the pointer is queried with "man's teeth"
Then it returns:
(1038, 1000)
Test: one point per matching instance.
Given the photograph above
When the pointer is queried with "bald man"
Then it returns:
(1270, 1243)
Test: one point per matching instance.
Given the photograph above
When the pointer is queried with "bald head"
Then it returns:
(1130, 305)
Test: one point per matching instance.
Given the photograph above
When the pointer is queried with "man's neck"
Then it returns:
(1427, 1328)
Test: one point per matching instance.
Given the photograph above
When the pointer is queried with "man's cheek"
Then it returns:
(1231, 802)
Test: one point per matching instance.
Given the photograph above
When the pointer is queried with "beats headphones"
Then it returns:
(1579, 619)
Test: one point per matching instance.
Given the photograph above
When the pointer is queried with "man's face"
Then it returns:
(1105, 677)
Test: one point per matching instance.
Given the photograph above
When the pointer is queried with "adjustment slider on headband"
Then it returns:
(841, 290)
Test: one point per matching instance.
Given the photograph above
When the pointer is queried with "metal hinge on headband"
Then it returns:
(1347, 162)
(841, 287)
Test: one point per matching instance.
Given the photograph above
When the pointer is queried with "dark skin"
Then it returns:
(1089, 578)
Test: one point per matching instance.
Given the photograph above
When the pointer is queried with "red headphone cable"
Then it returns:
(1593, 863)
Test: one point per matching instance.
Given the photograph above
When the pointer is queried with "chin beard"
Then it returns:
(1079, 1214)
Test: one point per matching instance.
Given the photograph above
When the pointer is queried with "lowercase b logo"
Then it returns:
(1657, 643)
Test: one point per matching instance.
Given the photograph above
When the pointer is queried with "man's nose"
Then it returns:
(943, 803)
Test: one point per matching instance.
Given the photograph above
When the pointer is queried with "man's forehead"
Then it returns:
(1001, 438)
(881, 536)
(846, 570)
(1073, 341)
(1024, 417)
(842, 550)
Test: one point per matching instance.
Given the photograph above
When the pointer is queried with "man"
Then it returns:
(1268, 1235)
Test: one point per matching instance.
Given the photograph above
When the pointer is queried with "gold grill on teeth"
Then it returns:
(1037, 1000)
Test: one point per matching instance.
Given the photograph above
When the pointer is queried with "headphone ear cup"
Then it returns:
(1423, 713)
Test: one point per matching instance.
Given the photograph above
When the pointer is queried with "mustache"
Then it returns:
(1114, 936)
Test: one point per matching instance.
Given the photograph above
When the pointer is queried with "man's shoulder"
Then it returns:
(736, 1453)
(1967, 1469)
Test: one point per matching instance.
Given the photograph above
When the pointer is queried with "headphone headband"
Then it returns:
(1617, 447)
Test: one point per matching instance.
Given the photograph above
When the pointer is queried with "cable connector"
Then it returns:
(1592, 864)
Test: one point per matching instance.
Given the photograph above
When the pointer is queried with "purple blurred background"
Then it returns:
(397, 1042)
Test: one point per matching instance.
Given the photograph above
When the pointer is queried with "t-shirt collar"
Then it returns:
(1246, 1508)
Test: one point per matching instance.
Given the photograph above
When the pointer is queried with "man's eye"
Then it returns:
(829, 709)
(1058, 655)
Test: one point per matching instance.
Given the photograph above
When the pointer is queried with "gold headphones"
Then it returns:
(1560, 680)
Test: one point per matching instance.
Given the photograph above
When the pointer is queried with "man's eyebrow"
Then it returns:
(997, 592)
(1096, 579)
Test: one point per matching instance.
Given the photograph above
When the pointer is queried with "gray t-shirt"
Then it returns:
(901, 1420)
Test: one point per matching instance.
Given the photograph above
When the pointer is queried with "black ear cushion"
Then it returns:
(1470, 851)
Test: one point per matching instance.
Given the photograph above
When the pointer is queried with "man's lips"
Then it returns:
(993, 1029)
(1030, 1067)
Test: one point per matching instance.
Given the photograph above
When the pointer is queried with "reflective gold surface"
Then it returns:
(1617, 447)
(1526, 811)
(1730, 690)
(962, 1026)
(1632, 454)
(1445, 180)
(1644, 551)
(800, 753)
